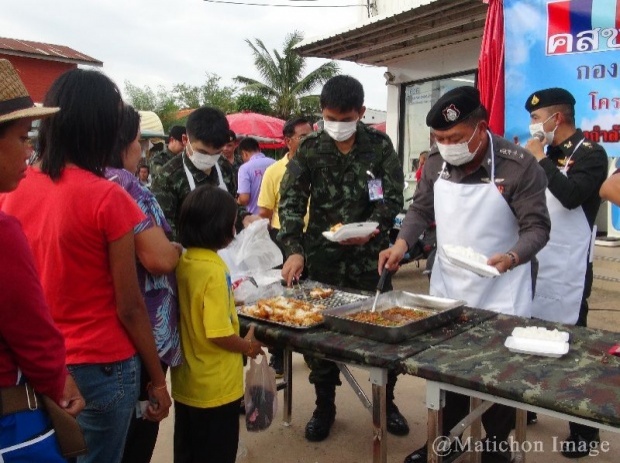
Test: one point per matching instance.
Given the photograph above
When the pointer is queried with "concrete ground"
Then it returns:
(350, 439)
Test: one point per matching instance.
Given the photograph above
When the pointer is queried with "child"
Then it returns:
(207, 387)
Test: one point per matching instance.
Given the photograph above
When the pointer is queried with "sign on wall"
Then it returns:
(574, 44)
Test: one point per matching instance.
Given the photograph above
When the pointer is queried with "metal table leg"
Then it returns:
(288, 387)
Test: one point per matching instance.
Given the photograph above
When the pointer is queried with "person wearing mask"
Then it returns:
(338, 173)
(488, 194)
(81, 229)
(176, 145)
(575, 168)
(207, 133)
(251, 173)
(229, 155)
(269, 197)
(32, 349)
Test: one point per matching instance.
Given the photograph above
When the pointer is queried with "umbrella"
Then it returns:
(491, 66)
(380, 126)
(266, 130)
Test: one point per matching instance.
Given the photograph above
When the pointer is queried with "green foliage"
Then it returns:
(283, 75)
(254, 103)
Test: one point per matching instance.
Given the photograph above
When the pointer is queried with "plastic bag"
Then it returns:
(261, 395)
(252, 251)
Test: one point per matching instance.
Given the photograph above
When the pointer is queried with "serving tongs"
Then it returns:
(303, 293)
(384, 273)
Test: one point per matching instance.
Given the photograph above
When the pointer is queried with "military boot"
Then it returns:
(324, 414)
(396, 422)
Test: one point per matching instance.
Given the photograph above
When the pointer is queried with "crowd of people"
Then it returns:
(113, 278)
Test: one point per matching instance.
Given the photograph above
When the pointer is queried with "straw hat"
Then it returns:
(15, 103)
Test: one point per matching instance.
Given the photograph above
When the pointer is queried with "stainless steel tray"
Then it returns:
(444, 310)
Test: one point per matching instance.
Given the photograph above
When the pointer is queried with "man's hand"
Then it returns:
(502, 262)
(72, 400)
(536, 147)
(292, 268)
(248, 219)
(390, 258)
(359, 241)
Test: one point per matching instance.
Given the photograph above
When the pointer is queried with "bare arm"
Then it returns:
(233, 343)
(265, 213)
(243, 199)
(610, 190)
(132, 313)
(155, 251)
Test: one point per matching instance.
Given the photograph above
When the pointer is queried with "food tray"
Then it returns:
(339, 298)
(444, 310)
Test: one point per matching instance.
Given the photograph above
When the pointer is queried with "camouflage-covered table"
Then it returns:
(375, 356)
(583, 385)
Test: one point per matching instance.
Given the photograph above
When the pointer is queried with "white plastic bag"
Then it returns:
(252, 251)
(261, 395)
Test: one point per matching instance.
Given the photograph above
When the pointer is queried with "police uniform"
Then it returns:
(495, 207)
(171, 186)
(575, 169)
(336, 186)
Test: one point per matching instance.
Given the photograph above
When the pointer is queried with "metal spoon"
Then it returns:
(384, 273)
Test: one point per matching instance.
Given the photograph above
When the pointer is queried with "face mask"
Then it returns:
(458, 154)
(537, 131)
(340, 131)
(202, 161)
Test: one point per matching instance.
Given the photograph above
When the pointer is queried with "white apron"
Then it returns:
(192, 182)
(562, 262)
(477, 216)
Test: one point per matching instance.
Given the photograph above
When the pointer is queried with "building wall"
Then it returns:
(374, 116)
(37, 74)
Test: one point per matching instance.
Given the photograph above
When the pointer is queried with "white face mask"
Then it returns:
(458, 154)
(202, 161)
(340, 131)
(538, 131)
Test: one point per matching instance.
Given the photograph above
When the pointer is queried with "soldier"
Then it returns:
(486, 193)
(176, 145)
(575, 168)
(199, 164)
(228, 153)
(335, 169)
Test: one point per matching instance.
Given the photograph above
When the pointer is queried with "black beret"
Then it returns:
(453, 108)
(177, 132)
(232, 136)
(548, 97)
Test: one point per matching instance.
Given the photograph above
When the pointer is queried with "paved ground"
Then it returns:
(350, 440)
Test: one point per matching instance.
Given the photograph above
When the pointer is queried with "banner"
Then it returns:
(573, 44)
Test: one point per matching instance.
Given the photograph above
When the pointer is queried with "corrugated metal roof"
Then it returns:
(45, 51)
(385, 39)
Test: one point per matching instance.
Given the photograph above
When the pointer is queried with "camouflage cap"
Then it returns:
(548, 97)
(453, 108)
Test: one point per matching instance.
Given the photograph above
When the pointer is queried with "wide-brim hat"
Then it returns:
(15, 102)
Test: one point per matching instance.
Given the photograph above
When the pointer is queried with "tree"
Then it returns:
(211, 93)
(254, 103)
(161, 102)
(283, 74)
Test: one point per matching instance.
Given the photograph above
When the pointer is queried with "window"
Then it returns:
(418, 98)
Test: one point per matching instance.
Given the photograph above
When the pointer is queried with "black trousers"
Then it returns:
(142, 433)
(206, 435)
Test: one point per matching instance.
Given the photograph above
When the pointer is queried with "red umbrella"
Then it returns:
(491, 66)
(266, 130)
(380, 126)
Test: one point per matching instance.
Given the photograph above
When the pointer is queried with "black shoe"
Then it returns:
(320, 424)
(396, 423)
(577, 446)
(421, 455)
(532, 418)
(277, 363)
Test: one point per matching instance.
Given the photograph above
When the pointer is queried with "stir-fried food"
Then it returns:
(394, 316)
(321, 293)
(285, 310)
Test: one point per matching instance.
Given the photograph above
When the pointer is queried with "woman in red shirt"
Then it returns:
(80, 227)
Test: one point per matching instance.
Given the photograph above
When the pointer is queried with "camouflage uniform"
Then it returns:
(337, 187)
(171, 187)
(158, 160)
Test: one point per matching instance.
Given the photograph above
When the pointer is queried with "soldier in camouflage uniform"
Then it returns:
(200, 164)
(348, 173)
(176, 145)
(233, 158)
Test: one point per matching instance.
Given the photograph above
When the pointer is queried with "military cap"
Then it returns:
(548, 97)
(177, 132)
(232, 136)
(453, 108)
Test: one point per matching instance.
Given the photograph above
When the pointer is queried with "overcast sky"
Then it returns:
(163, 42)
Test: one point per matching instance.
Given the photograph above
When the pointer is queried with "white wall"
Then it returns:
(446, 60)
(374, 116)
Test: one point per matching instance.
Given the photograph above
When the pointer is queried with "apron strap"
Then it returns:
(190, 177)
